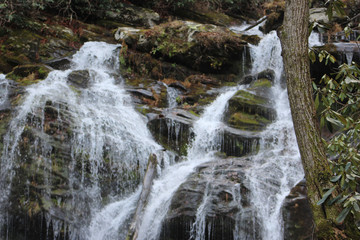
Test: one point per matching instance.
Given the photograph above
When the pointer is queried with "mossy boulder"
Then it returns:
(201, 47)
(28, 74)
(248, 121)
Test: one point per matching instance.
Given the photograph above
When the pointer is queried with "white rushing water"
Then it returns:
(274, 171)
(277, 166)
(106, 133)
(207, 140)
(4, 89)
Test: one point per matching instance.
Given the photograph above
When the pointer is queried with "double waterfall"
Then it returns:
(100, 146)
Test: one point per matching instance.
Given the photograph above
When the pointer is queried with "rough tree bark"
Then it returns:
(294, 39)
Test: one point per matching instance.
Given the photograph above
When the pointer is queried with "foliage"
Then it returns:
(14, 11)
(233, 7)
(338, 102)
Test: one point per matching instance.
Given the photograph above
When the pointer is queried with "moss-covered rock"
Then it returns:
(207, 17)
(41, 41)
(28, 74)
(133, 15)
(247, 121)
(202, 47)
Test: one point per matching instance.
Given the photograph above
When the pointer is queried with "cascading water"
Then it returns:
(271, 175)
(109, 143)
(275, 168)
(4, 90)
(172, 96)
(207, 140)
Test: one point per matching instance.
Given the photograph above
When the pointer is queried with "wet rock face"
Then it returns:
(221, 186)
(52, 180)
(297, 214)
(174, 132)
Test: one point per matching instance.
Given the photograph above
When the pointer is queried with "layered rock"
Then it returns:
(174, 132)
(221, 187)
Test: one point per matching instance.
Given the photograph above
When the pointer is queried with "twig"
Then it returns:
(257, 23)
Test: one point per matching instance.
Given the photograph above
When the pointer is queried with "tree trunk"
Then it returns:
(294, 39)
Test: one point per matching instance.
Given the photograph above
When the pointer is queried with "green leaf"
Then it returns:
(347, 166)
(326, 195)
(332, 201)
(329, 11)
(343, 214)
(312, 56)
(332, 59)
(334, 121)
(356, 207)
(335, 178)
(317, 101)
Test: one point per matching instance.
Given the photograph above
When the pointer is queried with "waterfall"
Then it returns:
(172, 95)
(108, 140)
(4, 90)
(277, 166)
(109, 145)
(207, 140)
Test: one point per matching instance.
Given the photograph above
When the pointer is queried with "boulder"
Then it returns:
(268, 74)
(60, 63)
(219, 187)
(201, 47)
(297, 214)
(79, 78)
(28, 74)
(248, 111)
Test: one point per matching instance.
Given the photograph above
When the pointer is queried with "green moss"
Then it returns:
(261, 83)
(194, 113)
(229, 84)
(250, 98)
(28, 74)
(247, 122)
